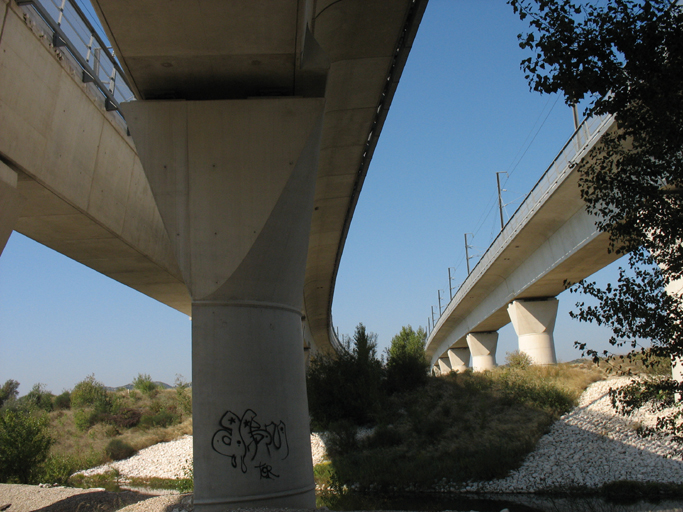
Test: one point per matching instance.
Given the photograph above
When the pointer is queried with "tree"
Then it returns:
(407, 366)
(9, 391)
(143, 383)
(624, 58)
(346, 387)
(24, 445)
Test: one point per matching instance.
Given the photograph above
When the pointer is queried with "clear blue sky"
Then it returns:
(462, 112)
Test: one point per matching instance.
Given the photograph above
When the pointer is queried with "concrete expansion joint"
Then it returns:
(256, 497)
(247, 304)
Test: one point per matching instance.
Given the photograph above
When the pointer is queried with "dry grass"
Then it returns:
(75, 450)
(471, 426)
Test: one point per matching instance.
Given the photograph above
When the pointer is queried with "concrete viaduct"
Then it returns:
(253, 129)
(549, 240)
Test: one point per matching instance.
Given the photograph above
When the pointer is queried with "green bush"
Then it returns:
(183, 394)
(86, 418)
(38, 398)
(92, 394)
(143, 383)
(117, 449)
(518, 359)
(346, 387)
(57, 469)
(163, 418)
(24, 445)
(63, 401)
(9, 391)
(124, 418)
(407, 366)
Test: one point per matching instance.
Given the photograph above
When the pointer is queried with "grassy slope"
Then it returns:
(457, 428)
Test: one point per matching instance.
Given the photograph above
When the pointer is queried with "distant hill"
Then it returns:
(159, 384)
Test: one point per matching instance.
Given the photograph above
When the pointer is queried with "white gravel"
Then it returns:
(169, 460)
(592, 445)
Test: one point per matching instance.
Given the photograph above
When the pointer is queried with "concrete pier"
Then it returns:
(10, 203)
(534, 321)
(444, 366)
(459, 358)
(482, 346)
(234, 181)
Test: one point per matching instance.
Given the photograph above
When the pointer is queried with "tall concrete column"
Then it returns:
(482, 346)
(234, 182)
(10, 203)
(460, 358)
(444, 366)
(534, 321)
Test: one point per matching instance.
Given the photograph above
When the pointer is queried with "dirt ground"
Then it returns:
(31, 498)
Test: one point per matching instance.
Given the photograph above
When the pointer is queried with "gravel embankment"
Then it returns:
(591, 446)
(169, 460)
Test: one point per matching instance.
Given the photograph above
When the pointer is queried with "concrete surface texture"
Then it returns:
(534, 321)
(11, 202)
(240, 179)
(234, 181)
(351, 53)
(482, 346)
(459, 358)
(85, 193)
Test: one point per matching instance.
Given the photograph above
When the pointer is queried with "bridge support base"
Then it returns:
(482, 346)
(534, 321)
(444, 366)
(10, 203)
(234, 182)
(459, 358)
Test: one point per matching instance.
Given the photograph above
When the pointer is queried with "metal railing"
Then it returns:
(583, 138)
(72, 31)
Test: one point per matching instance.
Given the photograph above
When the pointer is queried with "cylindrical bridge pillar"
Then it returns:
(534, 321)
(250, 412)
(234, 181)
(482, 346)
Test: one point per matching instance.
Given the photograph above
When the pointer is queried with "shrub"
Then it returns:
(24, 445)
(160, 419)
(407, 365)
(117, 449)
(9, 391)
(143, 383)
(346, 387)
(86, 418)
(63, 401)
(183, 394)
(124, 418)
(518, 359)
(57, 469)
(38, 398)
(91, 393)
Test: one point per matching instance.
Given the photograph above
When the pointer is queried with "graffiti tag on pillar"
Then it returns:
(244, 440)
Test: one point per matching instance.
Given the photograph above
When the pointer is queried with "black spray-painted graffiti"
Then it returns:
(246, 439)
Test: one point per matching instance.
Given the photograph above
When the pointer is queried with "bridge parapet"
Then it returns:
(72, 31)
